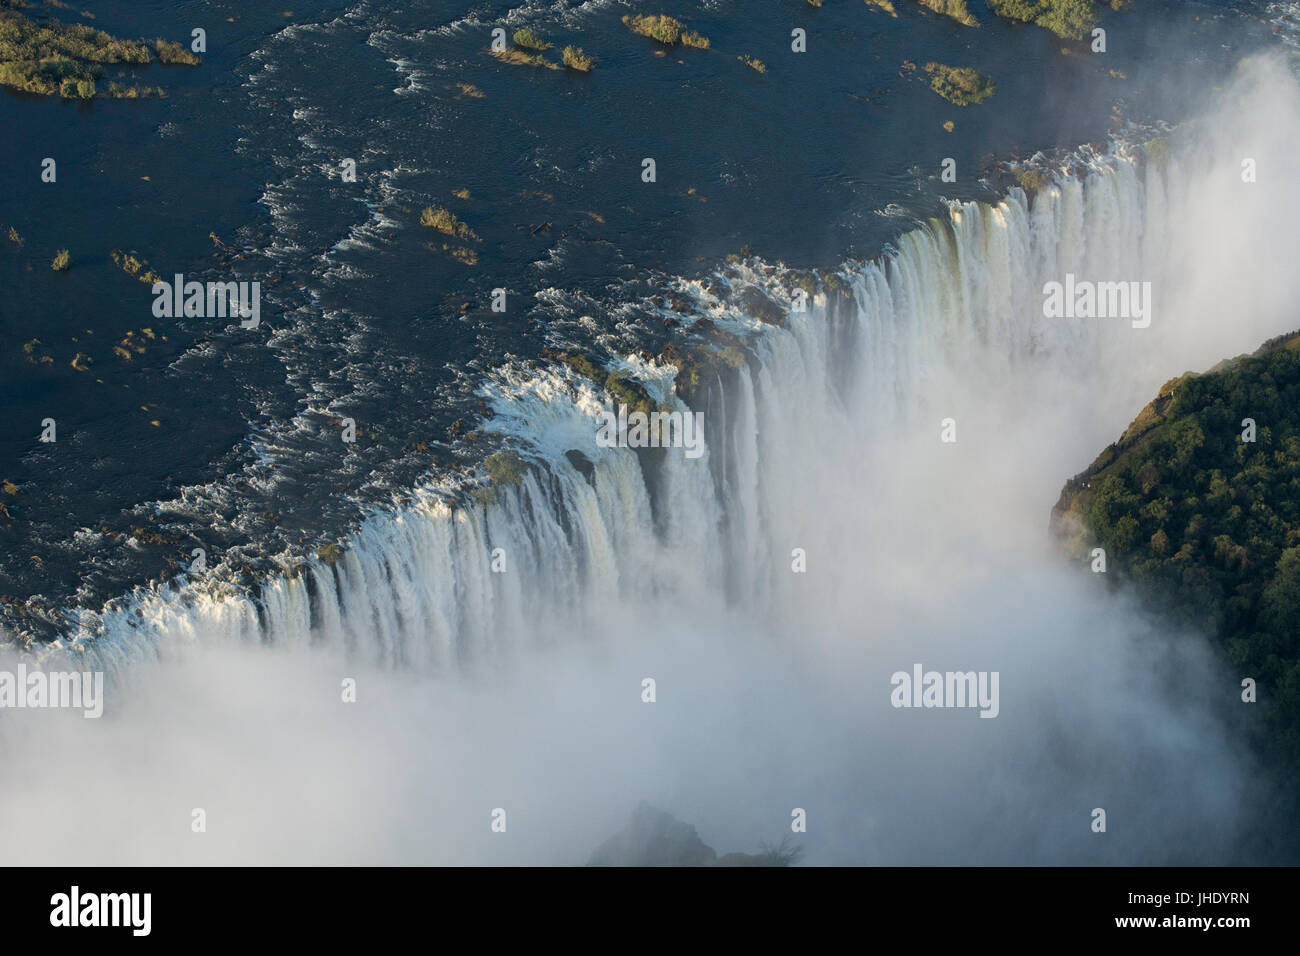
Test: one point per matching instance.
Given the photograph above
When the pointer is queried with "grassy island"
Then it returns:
(445, 221)
(666, 30)
(960, 85)
(575, 59)
(52, 58)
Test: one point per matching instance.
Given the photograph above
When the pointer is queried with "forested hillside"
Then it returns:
(1199, 504)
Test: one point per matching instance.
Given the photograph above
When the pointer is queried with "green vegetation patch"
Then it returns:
(445, 221)
(698, 365)
(1032, 180)
(520, 58)
(463, 255)
(1209, 524)
(331, 554)
(575, 59)
(53, 58)
(505, 468)
(956, 9)
(1068, 19)
(666, 30)
(174, 53)
(960, 85)
(625, 389)
(527, 40)
(139, 268)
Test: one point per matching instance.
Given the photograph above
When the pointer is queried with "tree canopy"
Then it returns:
(1199, 504)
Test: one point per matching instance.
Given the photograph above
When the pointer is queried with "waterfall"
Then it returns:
(956, 303)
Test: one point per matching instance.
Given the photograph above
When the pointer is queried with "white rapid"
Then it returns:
(523, 689)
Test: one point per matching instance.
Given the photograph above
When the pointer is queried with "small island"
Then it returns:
(52, 58)
(961, 86)
(666, 30)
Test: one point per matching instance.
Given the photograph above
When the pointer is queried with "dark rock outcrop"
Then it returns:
(653, 838)
(657, 838)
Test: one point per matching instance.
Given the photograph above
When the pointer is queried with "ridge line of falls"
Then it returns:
(955, 302)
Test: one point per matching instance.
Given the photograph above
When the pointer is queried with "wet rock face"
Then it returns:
(762, 308)
(583, 464)
(653, 838)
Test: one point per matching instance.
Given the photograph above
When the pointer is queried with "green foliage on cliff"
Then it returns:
(1208, 523)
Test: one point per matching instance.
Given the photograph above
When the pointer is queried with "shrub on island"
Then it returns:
(960, 85)
(575, 59)
(445, 221)
(528, 40)
(52, 58)
(666, 30)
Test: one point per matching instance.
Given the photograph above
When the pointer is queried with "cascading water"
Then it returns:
(826, 538)
(957, 303)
